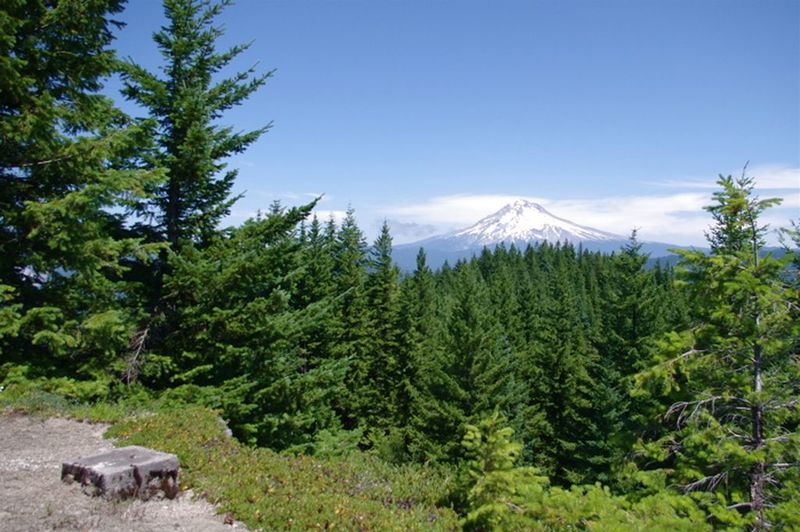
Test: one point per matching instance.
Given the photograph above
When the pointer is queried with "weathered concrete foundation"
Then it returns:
(125, 472)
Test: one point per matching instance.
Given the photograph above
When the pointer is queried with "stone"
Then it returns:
(125, 472)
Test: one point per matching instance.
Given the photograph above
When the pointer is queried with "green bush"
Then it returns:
(500, 496)
(65, 397)
(268, 490)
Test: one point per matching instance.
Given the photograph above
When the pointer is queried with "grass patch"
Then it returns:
(268, 490)
(41, 403)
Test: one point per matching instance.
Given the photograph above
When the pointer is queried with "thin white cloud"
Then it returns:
(767, 177)
(456, 210)
(675, 216)
(408, 231)
(323, 215)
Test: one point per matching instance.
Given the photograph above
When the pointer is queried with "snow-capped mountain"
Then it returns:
(518, 223)
(521, 221)
(526, 221)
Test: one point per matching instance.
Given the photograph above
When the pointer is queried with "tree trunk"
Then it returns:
(172, 214)
(758, 471)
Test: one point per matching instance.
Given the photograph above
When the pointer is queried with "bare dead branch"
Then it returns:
(784, 465)
(741, 506)
(680, 408)
(708, 483)
(134, 361)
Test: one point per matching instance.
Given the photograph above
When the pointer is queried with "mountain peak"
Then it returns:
(522, 203)
(520, 222)
(525, 221)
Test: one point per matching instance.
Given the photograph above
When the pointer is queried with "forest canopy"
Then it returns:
(562, 386)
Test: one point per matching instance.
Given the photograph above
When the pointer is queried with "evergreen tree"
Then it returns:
(631, 308)
(242, 341)
(560, 421)
(185, 106)
(734, 430)
(420, 366)
(350, 335)
(378, 392)
(477, 373)
(314, 284)
(63, 192)
(494, 481)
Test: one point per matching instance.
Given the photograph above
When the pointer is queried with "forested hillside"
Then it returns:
(562, 387)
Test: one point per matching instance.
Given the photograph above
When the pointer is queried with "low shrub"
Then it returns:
(272, 491)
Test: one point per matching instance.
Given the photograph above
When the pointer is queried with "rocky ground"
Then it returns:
(32, 496)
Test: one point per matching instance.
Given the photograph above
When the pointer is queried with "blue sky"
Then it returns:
(431, 114)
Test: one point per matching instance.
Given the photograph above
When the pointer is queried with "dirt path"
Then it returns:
(32, 496)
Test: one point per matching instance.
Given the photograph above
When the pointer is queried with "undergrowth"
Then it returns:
(43, 403)
(260, 487)
(271, 491)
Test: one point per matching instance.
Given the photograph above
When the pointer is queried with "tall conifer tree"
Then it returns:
(422, 364)
(63, 189)
(350, 335)
(378, 391)
(184, 106)
(734, 432)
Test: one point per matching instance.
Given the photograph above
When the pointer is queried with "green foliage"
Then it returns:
(729, 386)
(504, 497)
(64, 192)
(115, 280)
(184, 108)
(495, 481)
(379, 391)
(275, 492)
(349, 326)
(242, 335)
(63, 397)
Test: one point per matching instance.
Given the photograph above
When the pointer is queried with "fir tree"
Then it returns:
(560, 422)
(420, 366)
(63, 191)
(734, 431)
(495, 483)
(314, 284)
(243, 341)
(350, 335)
(378, 393)
(185, 106)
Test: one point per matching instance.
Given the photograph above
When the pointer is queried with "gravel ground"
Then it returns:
(32, 496)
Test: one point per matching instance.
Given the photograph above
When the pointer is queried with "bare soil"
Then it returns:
(32, 496)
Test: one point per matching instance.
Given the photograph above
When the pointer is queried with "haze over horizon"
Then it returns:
(433, 115)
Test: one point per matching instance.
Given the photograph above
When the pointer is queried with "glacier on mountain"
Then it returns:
(521, 221)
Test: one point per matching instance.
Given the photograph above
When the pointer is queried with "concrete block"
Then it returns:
(125, 472)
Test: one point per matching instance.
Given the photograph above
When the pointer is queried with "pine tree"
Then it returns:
(378, 393)
(184, 108)
(476, 368)
(315, 284)
(733, 433)
(631, 308)
(560, 421)
(242, 343)
(350, 336)
(495, 484)
(63, 191)
(421, 365)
